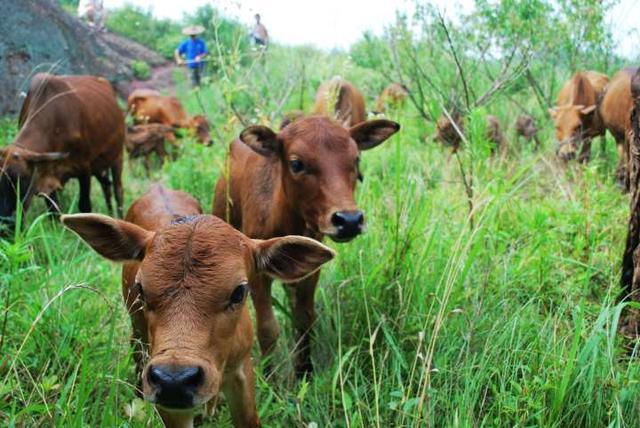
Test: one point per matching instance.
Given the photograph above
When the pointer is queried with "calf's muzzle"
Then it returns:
(175, 386)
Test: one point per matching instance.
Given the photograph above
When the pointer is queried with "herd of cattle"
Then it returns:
(187, 275)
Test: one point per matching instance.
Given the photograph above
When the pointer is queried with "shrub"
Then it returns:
(141, 70)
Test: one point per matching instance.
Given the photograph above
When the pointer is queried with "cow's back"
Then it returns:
(159, 206)
(571, 95)
(340, 100)
(616, 105)
(78, 115)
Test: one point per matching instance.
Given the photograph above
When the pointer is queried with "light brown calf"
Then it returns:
(299, 181)
(148, 106)
(576, 115)
(185, 282)
(339, 99)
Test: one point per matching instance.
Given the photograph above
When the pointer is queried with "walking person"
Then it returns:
(192, 52)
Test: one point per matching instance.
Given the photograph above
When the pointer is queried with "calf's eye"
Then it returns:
(296, 166)
(238, 294)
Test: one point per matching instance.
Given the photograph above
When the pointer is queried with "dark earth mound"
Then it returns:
(38, 35)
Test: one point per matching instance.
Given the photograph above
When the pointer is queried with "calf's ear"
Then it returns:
(290, 258)
(261, 139)
(116, 240)
(371, 133)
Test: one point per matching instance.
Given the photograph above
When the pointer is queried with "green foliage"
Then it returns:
(141, 70)
(161, 35)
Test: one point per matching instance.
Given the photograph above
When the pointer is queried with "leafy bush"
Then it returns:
(141, 70)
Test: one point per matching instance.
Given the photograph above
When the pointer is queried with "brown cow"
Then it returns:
(184, 283)
(615, 110)
(393, 95)
(576, 115)
(148, 106)
(299, 181)
(143, 140)
(449, 135)
(340, 100)
(526, 128)
(70, 127)
(630, 279)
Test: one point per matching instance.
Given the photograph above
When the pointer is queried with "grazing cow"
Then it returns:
(448, 135)
(299, 181)
(630, 280)
(393, 95)
(70, 127)
(148, 106)
(526, 128)
(576, 115)
(143, 140)
(340, 100)
(184, 283)
(615, 110)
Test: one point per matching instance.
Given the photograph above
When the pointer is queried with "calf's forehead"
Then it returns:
(319, 137)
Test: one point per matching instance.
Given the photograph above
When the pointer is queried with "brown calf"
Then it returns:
(299, 181)
(526, 128)
(148, 106)
(70, 127)
(185, 282)
(615, 110)
(393, 95)
(339, 99)
(576, 115)
(143, 140)
(449, 135)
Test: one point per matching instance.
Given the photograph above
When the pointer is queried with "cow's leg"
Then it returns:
(239, 390)
(302, 296)
(176, 419)
(267, 325)
(105, 183)
(621, 171)
(85, 193)
(116, 176)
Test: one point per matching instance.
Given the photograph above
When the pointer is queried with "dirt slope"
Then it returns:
(38, 35)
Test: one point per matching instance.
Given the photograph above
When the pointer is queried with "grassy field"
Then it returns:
(424, 321)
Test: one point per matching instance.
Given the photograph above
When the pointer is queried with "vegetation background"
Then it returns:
(483, 294)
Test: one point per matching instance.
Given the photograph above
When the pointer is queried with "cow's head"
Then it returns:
(319, 161)
(191, 285)
(199, 126)
(24, 173)
(572, 127)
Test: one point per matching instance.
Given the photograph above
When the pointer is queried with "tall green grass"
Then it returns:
(423, 321)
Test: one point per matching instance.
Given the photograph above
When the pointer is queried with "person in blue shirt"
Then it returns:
(191, 52)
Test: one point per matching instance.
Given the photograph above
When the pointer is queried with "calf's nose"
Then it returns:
(175, 386)
(348, 224)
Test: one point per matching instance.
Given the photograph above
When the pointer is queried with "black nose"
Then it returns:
(175, 386)
(348, 224)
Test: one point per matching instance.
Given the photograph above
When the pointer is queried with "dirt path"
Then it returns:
(161, 80)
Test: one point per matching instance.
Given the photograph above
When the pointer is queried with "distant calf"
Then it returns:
(339, 99)
(527, 129)
(148, 106)
(298, 181)
(185, 283)
(70, 127)
(393, 95)
(448, 132)
(143, 140)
